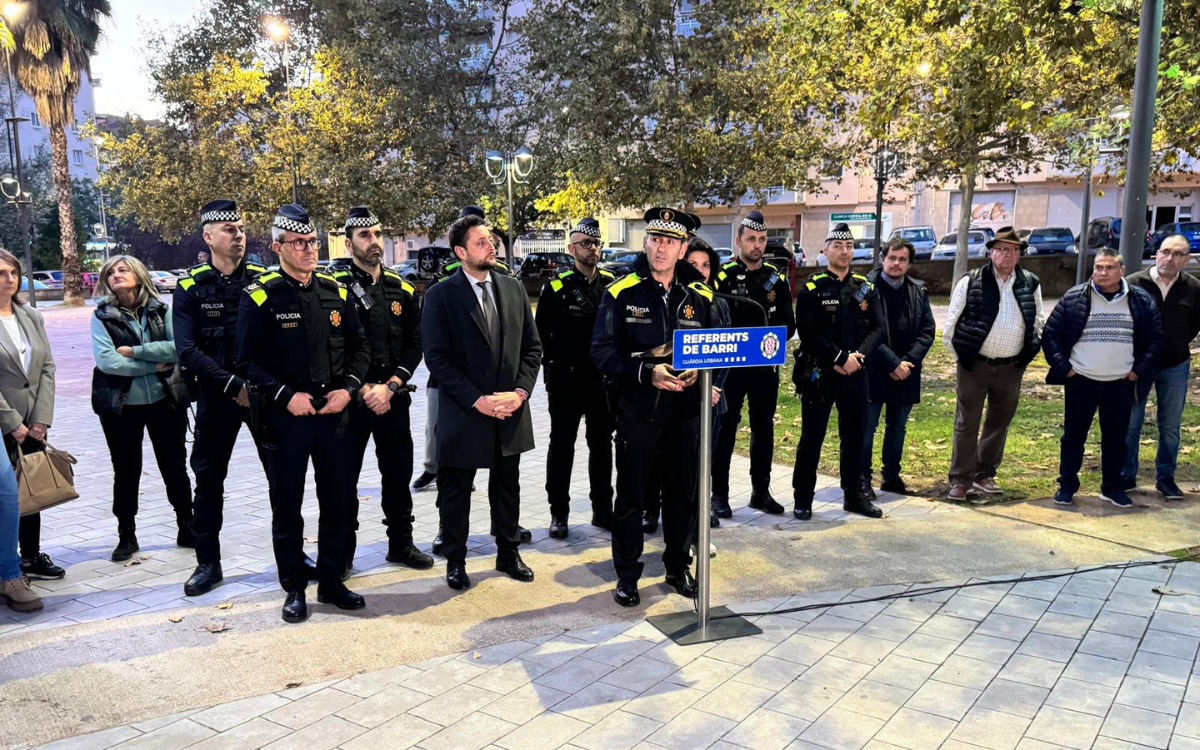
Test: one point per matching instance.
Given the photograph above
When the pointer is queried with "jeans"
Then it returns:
(1170, 383)
(893, 438)
(10, 513)
(1082, 398)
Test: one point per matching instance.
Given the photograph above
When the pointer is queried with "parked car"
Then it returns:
(164, 281)
(52, 279)
(407, 270)
(621, 262)
(518, 261)
(37, 285)
(544, 265)
(431, 260)
(948, 247)
(179, 271)
(1051, 241)
(1106, 232)
(724, 254)
(1189, 229)
(339, 264)
(922, 238)
(864, 250)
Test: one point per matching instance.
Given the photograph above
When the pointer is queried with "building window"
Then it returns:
(410, 244)
(775, 192)
(832, 169)
(33, 119)
(77, 156)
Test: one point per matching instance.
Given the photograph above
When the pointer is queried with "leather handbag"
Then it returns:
(44, 478)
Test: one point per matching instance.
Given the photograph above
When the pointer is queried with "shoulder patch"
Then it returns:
(255, 268)
(730, 264)
(556, 285)
(257, 293)
(810, 286)
(702, 289)
(187, 283)
(819, 276)
(607, 273)
(624, 283)
(566, 273)
(770, 266)
(201, 268)
(327, 277)
(406, 286)
(342, 292)
(391, 274)
(340, 275)
(269, 278)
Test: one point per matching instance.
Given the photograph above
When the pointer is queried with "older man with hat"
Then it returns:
(566, 317)
(658, 407)
(840, 322)
(758, 295)
(993, 331)
(391, 316)
(302, 349)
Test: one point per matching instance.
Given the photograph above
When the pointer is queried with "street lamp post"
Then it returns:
(280, 33)
(886, 163)
(14, 187)
(506, 169)
(1095, 148)
(1141, 132)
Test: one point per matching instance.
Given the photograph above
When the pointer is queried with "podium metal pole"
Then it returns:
(683, 627)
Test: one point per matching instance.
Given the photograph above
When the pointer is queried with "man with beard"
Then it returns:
(391, 316)
(763, 298)
(482, 345)
(658, 408)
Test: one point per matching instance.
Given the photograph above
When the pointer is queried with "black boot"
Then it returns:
(203, 579)
(184, 538)
(649, 524)
(626, 594)
(713, 521)
(310, 568)
(406, 553)
(295, 609)
(437, 542)
(558, 526)
(127, 544)
(602, 519)
(860, 504)
(866, 490)
(720, 506)
(340, 596)
(802, 511)
(511, 564)
(761, 499)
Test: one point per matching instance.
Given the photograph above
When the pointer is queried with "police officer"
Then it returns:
(763, 297)
(840, 322)
(302, 348)
(658, 408)
(205, 319)
(566, 317)
(391, 316)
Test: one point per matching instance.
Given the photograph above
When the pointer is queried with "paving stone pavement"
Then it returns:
(1095, 659)
(80, 535)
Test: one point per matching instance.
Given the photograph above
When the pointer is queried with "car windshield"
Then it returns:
(949, 239)
(625, 257)
(917, 235)
(976, 238)
(56, 275)
(1056, 234)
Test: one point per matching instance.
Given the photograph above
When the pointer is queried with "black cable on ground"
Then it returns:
(914, 593)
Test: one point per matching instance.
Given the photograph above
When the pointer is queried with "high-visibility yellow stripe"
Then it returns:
(621, 285)
(187, 283)
(703, 289)
(259, 296)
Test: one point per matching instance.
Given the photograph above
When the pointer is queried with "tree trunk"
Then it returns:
(967, 188)
(72, 276)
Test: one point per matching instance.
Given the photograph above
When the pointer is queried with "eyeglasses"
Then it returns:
(302, 244)
(588, 244)
(1006, 250)
(1176, 256)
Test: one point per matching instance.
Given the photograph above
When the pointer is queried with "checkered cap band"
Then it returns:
(840, 235)
(667, 228)
(361, 221)
(757, 226)
(220, 216)
(587, 229)
(292, 225)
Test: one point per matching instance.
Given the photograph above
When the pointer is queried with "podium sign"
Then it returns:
(719, 348)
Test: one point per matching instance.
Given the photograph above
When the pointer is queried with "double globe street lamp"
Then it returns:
(506, 169)
(13, 186)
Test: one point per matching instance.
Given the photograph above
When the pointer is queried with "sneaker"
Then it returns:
(424, 481)
(41, 568)
(1062, 497)
(987, 485)
(1169, 490)
(19, 596)
(1117, 498)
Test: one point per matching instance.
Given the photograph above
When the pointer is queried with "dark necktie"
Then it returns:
(489, 315)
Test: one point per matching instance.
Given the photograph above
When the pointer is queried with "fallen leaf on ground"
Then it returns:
(225, 605)
(132, 563)
(1166, 591)
(477, 655)
(310, 540)
(778, 527)
(364, 498)
(175, 618)
(215, 627)
(291, 685)
(144, 557)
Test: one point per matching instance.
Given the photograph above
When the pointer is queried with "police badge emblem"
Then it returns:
(689, 312)
(771, 296)
(863, 305)
(770, 345)
(335, 318)
(396, 308)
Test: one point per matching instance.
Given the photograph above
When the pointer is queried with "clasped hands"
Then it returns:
(854, 363)
(667, 379)
(301, 405)
(499, 405)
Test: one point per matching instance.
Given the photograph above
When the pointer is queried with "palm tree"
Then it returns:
(54, 41)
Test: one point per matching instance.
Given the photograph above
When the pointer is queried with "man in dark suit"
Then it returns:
(482, 346)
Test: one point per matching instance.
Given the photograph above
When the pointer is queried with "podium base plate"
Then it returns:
(683, 628)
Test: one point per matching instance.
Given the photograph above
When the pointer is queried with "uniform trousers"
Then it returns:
(676, 444)
(504, 498)
(219, 420)
(849, 394)
(289, 445)
(569, 403)
(394, 452)
(759, 386)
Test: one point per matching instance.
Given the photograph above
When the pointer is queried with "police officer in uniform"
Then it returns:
(302, 348)
(566, 318)
(763, 297)
(391, 316)
(205, 317)
(658, 408)
(840, 322)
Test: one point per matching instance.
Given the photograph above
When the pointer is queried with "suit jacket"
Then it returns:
(26, 396)
(460, 359)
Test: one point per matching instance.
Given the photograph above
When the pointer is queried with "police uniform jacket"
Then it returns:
(764, 296)
(300, 339)
(392, 322)
(836, 317)
(566, 318)
(205, 314)
(636, 317)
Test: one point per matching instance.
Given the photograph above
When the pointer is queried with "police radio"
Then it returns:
(364, 299)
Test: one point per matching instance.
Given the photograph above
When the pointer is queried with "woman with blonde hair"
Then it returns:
(136, 389)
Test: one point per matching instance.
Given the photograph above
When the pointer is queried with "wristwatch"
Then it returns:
(394, 386)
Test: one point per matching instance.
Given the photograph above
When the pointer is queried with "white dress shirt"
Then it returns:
(1007, 335)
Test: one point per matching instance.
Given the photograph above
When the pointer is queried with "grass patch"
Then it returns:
(1030, 466)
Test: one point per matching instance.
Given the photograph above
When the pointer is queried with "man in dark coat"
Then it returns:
(482, 345)
(894, 367)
